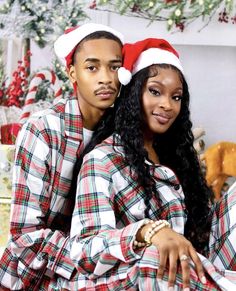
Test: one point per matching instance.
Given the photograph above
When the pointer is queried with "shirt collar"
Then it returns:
(73, 119)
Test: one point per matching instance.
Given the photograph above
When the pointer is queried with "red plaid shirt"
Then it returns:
(109, 210)
(37, 255)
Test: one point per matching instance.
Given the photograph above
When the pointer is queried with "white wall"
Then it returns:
(209, 60)
(211, 75)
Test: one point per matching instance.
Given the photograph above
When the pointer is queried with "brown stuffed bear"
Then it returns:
(220, 162)
(199, 144)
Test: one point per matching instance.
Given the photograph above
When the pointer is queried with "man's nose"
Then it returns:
(105, 76)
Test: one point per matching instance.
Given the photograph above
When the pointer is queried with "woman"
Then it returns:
(143, 213)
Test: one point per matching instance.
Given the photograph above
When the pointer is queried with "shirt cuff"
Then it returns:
(63, 264)
(128, 236)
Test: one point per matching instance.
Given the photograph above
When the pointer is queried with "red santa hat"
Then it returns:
(145, 53)
(66, 44)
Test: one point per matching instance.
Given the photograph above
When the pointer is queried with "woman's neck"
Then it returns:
(152, 155)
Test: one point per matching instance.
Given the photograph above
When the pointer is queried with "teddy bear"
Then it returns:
(220, 162)
(199, 144)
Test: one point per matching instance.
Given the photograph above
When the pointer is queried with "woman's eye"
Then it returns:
(177, 97)
(154, 92)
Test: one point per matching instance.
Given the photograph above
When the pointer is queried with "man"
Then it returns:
(37, 256)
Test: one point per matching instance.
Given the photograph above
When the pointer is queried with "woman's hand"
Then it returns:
(174, 249)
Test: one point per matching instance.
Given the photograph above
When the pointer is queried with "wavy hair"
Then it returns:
(174, 149)
(102, 130)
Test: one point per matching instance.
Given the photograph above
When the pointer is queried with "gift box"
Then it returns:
(5, 207)
(7, 153)
(9, 133)
(9, 124)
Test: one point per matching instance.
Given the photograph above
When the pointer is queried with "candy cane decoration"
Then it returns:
(33, 86)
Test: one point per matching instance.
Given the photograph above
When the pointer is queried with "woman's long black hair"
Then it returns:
(174, 149)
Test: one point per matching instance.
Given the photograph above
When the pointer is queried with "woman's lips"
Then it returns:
(162, 118)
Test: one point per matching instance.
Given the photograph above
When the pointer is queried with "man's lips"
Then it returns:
(105, 92)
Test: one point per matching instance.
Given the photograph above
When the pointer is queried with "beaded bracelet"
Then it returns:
(154, 228)
(138, 244)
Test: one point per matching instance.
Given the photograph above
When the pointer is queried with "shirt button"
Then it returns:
(176, 187)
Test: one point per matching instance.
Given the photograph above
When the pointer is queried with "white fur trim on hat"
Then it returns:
(124, 76)
(156, 56)
(68, 41)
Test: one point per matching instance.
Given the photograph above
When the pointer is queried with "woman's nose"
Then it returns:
(165, 103)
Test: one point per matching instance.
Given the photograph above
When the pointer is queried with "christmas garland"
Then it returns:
(176, 13)
(39, 20)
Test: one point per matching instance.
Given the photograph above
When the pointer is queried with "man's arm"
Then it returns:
(35, 247)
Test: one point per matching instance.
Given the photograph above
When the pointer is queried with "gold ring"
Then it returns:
(183, 258)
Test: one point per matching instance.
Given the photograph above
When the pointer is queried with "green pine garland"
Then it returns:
(50, 18)
(176, 13)
(60, 70)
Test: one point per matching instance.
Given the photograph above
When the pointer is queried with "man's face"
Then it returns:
(95, 73)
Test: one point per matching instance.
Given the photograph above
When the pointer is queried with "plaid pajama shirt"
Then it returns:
(37, 255)
(109, 211)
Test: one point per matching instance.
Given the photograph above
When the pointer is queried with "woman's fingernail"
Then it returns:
(171, 289)
(203, 280)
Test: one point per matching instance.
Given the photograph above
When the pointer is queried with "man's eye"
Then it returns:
(115, 68)
(91, 68)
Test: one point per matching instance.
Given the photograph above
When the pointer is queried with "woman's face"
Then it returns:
(161, 100)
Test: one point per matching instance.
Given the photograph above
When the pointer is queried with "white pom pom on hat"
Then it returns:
(65, 45)
(145, 53)
(124, 76)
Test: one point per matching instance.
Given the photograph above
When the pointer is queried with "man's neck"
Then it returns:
(90, 115)
(91, 121)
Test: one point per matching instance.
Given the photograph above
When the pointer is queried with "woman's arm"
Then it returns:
(97, 244)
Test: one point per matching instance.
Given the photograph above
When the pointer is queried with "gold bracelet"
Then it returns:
(153, 229)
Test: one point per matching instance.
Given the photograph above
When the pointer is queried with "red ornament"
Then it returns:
(135, 8)
(180, 26)
(233, 19)
(18, 86)
(172, 1)
(9, 132)
(223, 16)
(1, 93)
(93, 5)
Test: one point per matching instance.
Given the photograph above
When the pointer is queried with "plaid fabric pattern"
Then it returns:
(108, 213)
(223, 235)
(37, 256)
